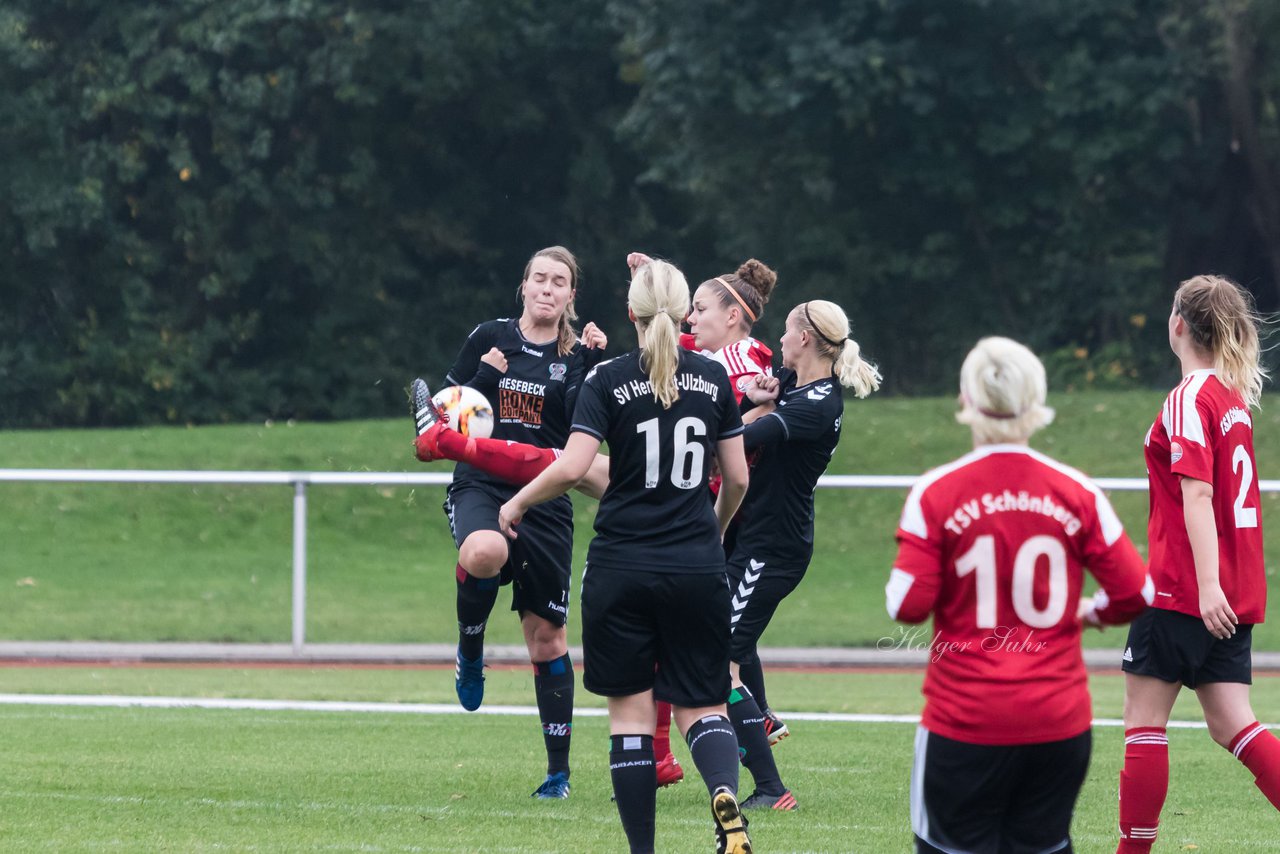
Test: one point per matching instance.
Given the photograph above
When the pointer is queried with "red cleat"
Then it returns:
(427, 420)
(669, 771)
(426, 447)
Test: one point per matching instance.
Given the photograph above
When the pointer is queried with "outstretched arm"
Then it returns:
(557, 479)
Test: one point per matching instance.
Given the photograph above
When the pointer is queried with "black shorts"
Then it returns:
(756, 589)
(539, 561)
(633, 621)
(1176, 647)
(995, 799)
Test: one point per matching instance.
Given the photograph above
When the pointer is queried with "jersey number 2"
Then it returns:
(688, 456)
(981, 560)
(1246, 517)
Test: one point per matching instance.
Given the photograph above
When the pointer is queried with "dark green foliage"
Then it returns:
(262, 208)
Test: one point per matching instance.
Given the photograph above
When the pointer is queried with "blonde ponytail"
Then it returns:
(1224, 323)
(659, 298)
(854, 372)
(829, 326)
(1002, 392)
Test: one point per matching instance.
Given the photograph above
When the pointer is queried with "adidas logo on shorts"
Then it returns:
(1128, 654)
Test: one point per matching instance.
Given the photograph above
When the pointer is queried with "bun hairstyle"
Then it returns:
(566, 335)
(828, 326)
(1223, 322)
(659, 299)
(1002, 392)
(747, 290)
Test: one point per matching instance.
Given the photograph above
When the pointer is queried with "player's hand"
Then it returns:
(1087, 613)
(509, 515)
(1218, 617)
(762, 389)
(593, 337)
(495, 358)
(636, 260)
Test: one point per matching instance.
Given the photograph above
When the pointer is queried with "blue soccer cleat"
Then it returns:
(555, 787)
(469, 682)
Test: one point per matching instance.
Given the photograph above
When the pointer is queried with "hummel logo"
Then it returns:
(819, 392)
(1128, 653)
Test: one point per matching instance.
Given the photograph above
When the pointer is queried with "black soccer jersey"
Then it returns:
(655, 514)
(533, 401)
(796, 442)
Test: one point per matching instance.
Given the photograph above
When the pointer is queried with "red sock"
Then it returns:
(662, 735)
(1259, 751)
(1144, 782)
(511, 461)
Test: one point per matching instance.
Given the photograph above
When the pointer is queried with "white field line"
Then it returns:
(104, 701)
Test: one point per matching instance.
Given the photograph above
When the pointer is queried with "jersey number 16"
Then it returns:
(686, 466)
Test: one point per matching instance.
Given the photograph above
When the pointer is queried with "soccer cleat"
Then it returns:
(759, 801)
(556, 786)
(774, 727)
(427, 419)
(731, 824)
(469, 682)
(669, 771)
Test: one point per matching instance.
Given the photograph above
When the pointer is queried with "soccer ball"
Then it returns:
(467, 410)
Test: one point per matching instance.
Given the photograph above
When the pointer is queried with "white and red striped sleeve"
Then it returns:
(916, 578)
(744, 360)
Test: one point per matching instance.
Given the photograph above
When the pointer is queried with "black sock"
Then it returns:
(753, 742)
(553, 686)
(751, 671)
(635, 787)
(476, 598)
(714, 748)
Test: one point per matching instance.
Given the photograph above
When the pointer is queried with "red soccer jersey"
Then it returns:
(995, 546)
(1204, 432)
(742, 360)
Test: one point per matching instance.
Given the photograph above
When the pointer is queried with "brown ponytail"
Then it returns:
(748, 289)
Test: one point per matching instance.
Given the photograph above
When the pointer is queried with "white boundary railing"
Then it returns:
(300, 480)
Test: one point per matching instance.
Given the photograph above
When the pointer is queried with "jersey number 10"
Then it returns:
(686, 467)
(981, 560)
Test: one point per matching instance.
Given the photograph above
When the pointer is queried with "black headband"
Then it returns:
(1198, 334)
(818, 332)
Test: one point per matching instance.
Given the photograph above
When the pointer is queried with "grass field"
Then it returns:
(134, 779)
(150, 562)
(212, 563)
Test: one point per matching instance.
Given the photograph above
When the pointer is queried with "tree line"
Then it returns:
(226, 210)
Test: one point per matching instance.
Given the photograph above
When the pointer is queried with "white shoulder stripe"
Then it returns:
(1181, 418)
(736, 358)
(912, 520)
(1112, 529)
